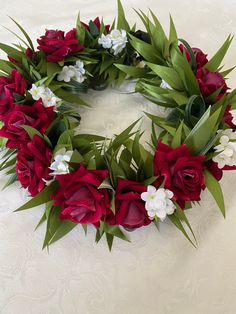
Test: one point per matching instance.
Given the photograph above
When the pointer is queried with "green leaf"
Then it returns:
(24, 33)
(115, 231)
(202, 131)
(177, 139)
(43, 197)
(121, 22)
(215, 189)
(31, 131)
(132, 70)
(215, 61)
(173, 37)
(109, 238)
(177, 222)
(167, 74)
(52, 68)
(13, 178)
(146, 50)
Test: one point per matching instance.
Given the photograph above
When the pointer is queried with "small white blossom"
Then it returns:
(37, 91)
(116, 40)
(165, 85)
(226, 149)
(158, 202)
(76, 72)
(66, 74)
(79, 71)
(105, 41)
(60, 164)
(48, 98)
(119, 40)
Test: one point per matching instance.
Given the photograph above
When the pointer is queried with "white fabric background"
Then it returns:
(159, 272)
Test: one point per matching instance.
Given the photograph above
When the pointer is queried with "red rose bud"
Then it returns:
(209, 82)
(32, 165)
(181, 172)
(130, 208)
(36, 116)
(184, 51)
(97, 22)
(12, 60)
(29, 53)
(56, 45)
(79, 197)
(201, 58)
(12, 84)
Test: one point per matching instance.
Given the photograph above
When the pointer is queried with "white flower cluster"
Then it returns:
(116, 40)
(60, 164)
(76, 72)
(49, 99)
(158, 202)
(226, 149)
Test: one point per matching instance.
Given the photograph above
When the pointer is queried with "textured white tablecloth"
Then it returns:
(158, 273)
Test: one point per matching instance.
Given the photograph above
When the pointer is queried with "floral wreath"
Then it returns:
(115, 184)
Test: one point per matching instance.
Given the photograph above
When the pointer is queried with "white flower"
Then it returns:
(226, 149)
(66, 74)
(158, 202)
(76, 72)
(116, 40)
(79, 71)
(49, 99)
(60, 164)
(37, 91)
(165, 85)
(119, 40)
(105, 41)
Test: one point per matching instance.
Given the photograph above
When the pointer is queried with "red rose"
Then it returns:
(36, 116)
(130, 208)
(12, 84)
(97, 22)
(209, 82)
(56, 45)
(201, 57)
(79, 197)
(181, 172)
(32, 165)
(6, 105)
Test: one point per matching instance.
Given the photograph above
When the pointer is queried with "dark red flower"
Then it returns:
(181, 172)
(130, 208)
(97, 22)
(12, 84)
(32, 165)
(6, 105)
(212, 166)
(56, 45)
(210, 82)
(201, 57)
(36, 116)
(228, 118)
(79, 197)
(29, 53)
